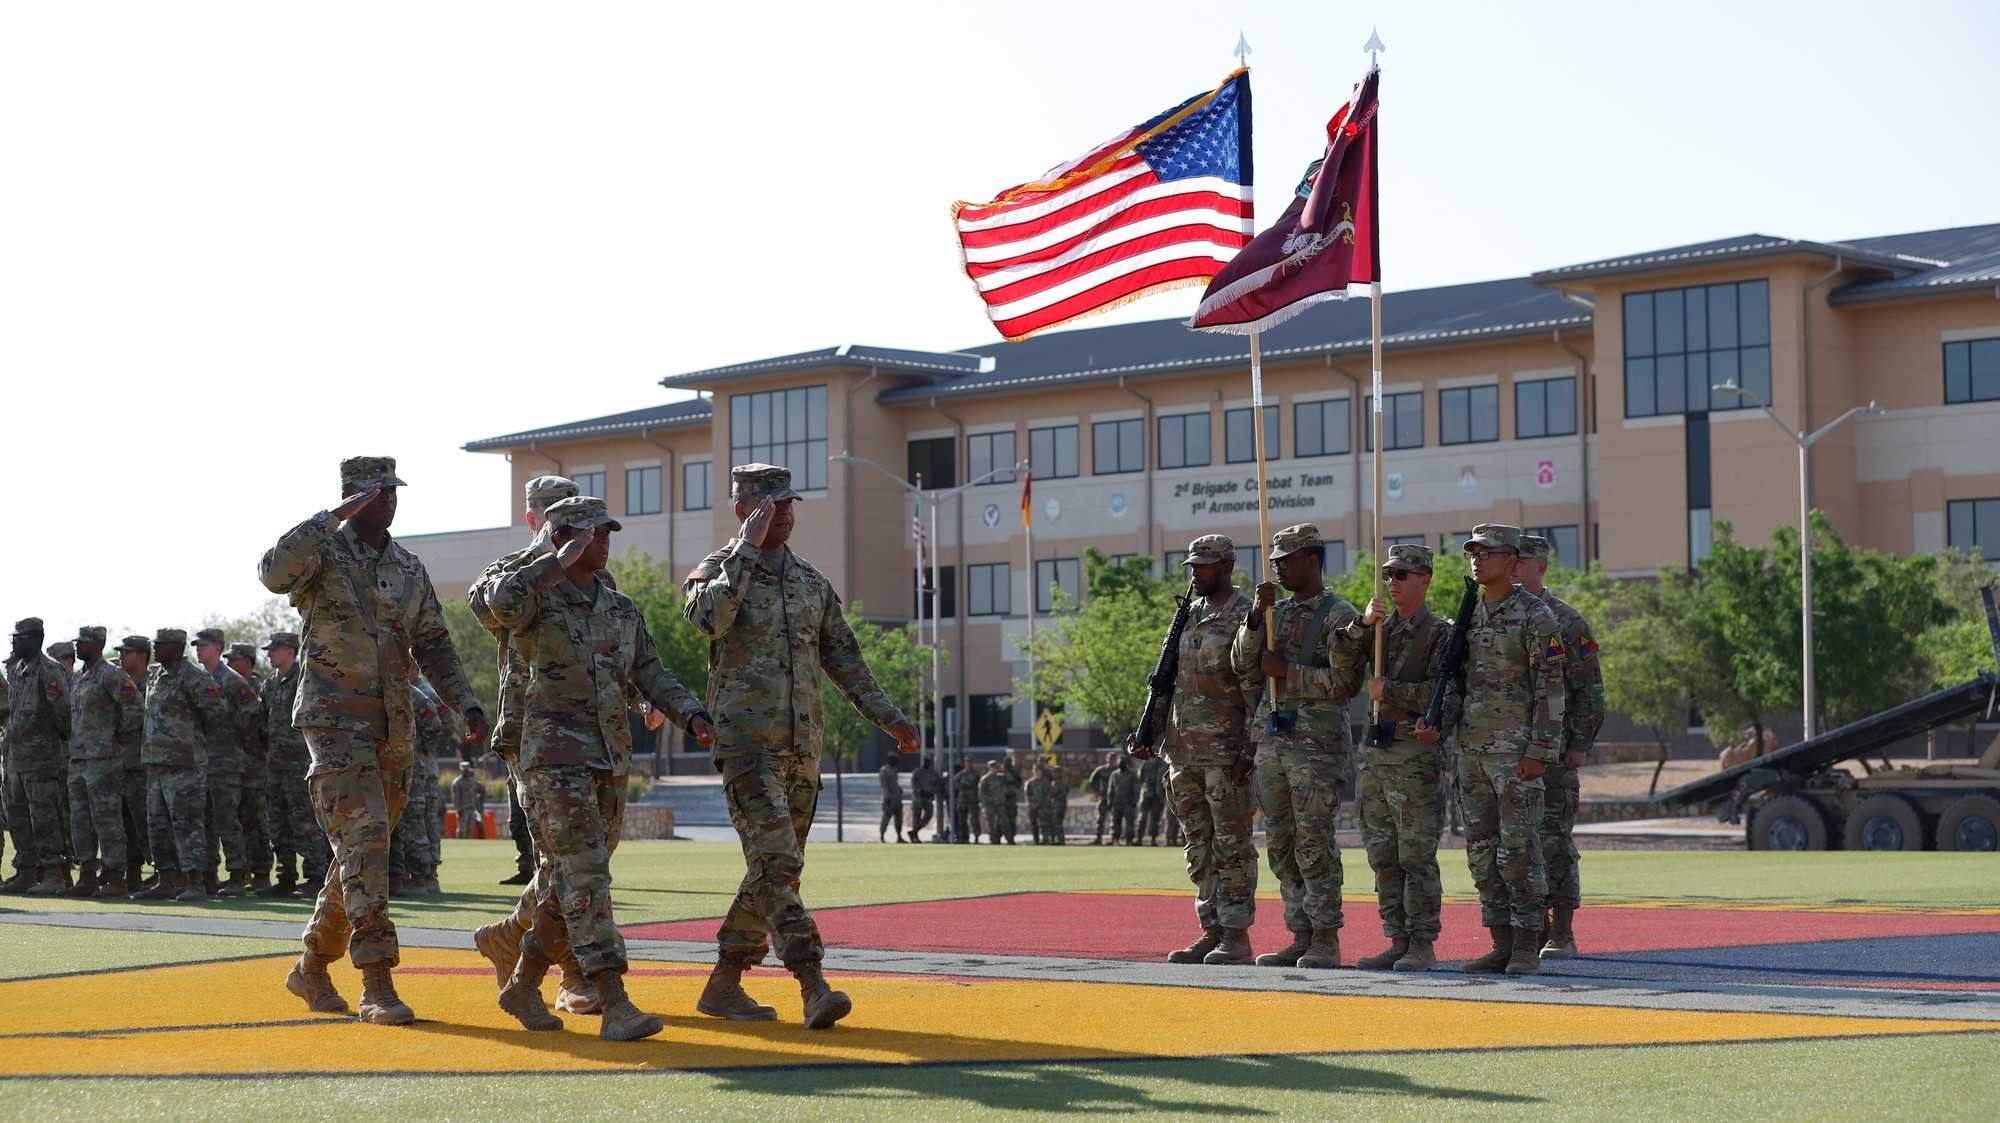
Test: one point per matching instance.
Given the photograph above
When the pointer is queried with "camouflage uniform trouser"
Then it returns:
(1052, 823)
(1559, 856)
(528, 839)
(1149, 818)
(771, 800)
(97, 813)
(132, 809)
(177, 817)
(1125, 821)
(36, 818)
(410, 845)
(892, 812)
(358, 784)
(1010, 816)
(289, 819)
(1402, 810)
(994, 811)
(1298, 787)
(225, 820)
(437, 820)
(920, 813)
(255, 823)
(1105, 818)
(965, 820)
(1221, 859)
(1174, 826)
(579, 812)
(471, 824)
(1503, 844)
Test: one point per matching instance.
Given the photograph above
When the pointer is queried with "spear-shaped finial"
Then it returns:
(1373, 46)
(1242, 51)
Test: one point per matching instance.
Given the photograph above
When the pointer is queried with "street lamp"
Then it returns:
(1805, 441)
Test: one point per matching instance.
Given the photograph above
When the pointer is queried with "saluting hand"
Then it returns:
(545, 539)
(758, 522)
(571, 552)
(351, 506)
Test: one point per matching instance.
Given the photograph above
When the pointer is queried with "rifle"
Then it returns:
(1454, 653)
(1160, 687)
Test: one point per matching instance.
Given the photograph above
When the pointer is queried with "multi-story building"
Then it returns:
(1579, 401)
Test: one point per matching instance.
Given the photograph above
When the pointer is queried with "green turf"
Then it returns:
(1922, 1077)
(37, 949)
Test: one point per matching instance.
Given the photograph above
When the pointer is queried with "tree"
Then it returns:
(1449, 569)
(274, 615)
(1094, 660)
(653, 590)
(899, 661)
(478, 653)
(1957, 651)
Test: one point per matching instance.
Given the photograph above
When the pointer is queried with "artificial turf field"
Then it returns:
(997, 980)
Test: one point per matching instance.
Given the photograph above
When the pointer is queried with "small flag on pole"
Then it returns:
(923, 548)
(1160, 206)
(1027, 490)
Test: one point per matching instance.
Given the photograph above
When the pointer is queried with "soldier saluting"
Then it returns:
(775, 629)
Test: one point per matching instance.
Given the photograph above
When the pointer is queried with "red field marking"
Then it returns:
(1144, 927)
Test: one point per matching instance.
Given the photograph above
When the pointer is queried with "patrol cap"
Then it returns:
(243, 649)
(363, 472)
(581, 512)
(1410, 557)
(1535, 546)
(755, 481)
(1292, 539)
(283, 639)
(91, 632)
(465, 766)
(140, 644)
(545, 490)
(1210, 548)
(211, 635)
(27, 626)
(1494, 534)
(170, 635)
(62, 649)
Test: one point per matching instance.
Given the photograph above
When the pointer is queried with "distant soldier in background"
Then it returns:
(64, 653)
(1038, 801)
(1010, 811)
(892, 800)
(299, 844)
(134, 653)
(182, 705)
(106, 712)
(252, 814)
(993, 800)
(924, 789)
(468, 799)
(1055, 828)
(965, 803)
(1124, 802)
(1152, 801)
(227, 753)
(1098, 784)
(38, 726)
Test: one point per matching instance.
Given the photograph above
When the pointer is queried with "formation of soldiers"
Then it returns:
(1260, 721)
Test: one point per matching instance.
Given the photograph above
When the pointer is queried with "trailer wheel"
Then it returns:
(1885, 821)
(1791, 822)
(1972, 823)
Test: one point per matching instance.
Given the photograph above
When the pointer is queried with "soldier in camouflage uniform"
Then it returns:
(590, 656)
(228, 750)
(993, 801)
(301, 846)
(1010, 810)
(468, 798)
(368, 608)
(1055, 828)
(1098, 784)
(924, 787)
(242, 658)
(106, 713)
(1038, 801)
(182, 705)
(1397, 790)
(1211, 757)
(134, 654)
(1303, 740)
(1583, 716)
(775, 629)
(1152, 801)
(1124, 802)
(38, 726)
(892, 801)
(965, 803)
(1509, 732)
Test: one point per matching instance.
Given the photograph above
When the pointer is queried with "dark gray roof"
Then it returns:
(1742, 247)
(930, 364)
(1969, 259)
(672, 415)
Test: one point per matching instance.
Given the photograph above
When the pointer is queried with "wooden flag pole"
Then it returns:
(1382, 629)
(1263, 507)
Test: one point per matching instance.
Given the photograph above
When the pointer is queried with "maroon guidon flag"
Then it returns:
(1328, 240)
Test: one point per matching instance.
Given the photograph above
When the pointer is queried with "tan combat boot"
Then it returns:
(166, 885)
(192, 890)
(1324, 951)
(1561, 943)
(522, 996)
(1526, 957)
(238, 885)
(574, 994)
(500, 943)
(379, 1003)
(1287, 956)
(622, 1020)
(1422, 956)
(54, 882)
(1495, 961)
(24, 876)
(1383, 960)
(724, 996)
(1201, 947)
(86, 884)
(823, 1005)
(113, 885)
(260, 881)
(1233, 950)
(310, 981)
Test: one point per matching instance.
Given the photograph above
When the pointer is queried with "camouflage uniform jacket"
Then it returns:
(775, 629)
(106, 713)
(1213, 701)
(993, 788)
(924, 782)
(284, 745)
(892, 783)
(964, 787)
(365, 615)
(1318, 683)
(434, 724)
(182, 706)
(1512, 694)
(237, 732)
(38, 715)
(590, 653)
(1583, 677)
(1153, 783)
(1124, 788)
(514, 672)
(1038, 793)
(1412, 674)
(1098, 783)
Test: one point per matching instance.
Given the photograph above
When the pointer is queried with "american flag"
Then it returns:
(1160, 206)
(923, 548)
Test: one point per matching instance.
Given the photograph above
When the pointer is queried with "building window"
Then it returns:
(986, 451)
(696, 484)
(1546, 408)
(785, 427)
(1321, 428)
(1239, 444)
(1184, 440)
(992, 718)
(934, 460)
(1680, 342)
(1562, 544)
(1117, 446)
(1052, 452)
(1402, 421)
(1249, 568)
(989, 589)
(1053, 573)
(590, 483)
(1974, 524)
(1972, 371)
(642, 491)
(948, 599)
(1468, 415)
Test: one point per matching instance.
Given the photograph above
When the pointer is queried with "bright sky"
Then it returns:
(239, 241)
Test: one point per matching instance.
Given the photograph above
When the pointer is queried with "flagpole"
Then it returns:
(1028, 524)
(1263, 508)
(1382, 629)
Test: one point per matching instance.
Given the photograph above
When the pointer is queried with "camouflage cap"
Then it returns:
(364, 472)
(1210, 548)
(1410, 557)
(465, 766)
(170, 635)
(1487, 535)
(282, 639)
(545, 490)
(1535, 546)
(1292, 539)
(211, 635)
(62, 649)
(140, 644)
(28, 626)
(243, 649)
(91, 632)
(581, 512)
(755, 481)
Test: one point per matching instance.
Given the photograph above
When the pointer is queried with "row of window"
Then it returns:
(642, 487)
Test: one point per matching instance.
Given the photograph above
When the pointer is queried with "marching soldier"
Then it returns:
(38, 728)
(182, 705)
(106, 712)
(775, 632)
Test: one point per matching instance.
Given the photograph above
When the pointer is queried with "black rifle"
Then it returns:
(1454, 653)
(1160, 688)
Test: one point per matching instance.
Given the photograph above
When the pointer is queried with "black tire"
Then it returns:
(1885, 821)
(1792, 822)
(1970, 824)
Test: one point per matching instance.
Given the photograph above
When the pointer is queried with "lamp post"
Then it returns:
(1805, 441)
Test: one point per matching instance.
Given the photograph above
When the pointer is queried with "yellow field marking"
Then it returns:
(236, 1018)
